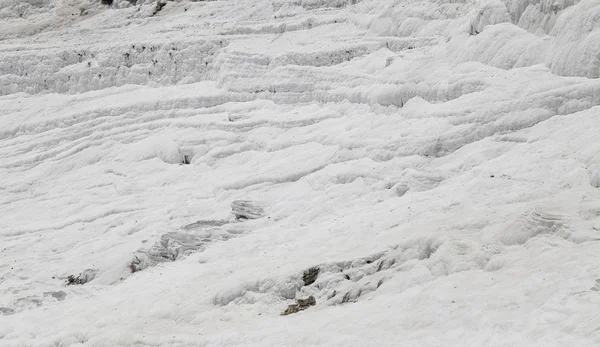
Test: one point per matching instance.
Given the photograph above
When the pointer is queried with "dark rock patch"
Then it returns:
(160, 4)
(245, 209)
(6, 311)
(201, 224)
(310, 276)
(300, 305)
(82, 278)
(60, 295)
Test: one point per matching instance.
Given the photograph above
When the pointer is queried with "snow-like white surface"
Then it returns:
(438, 161)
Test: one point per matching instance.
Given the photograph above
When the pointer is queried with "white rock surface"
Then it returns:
(438, 161)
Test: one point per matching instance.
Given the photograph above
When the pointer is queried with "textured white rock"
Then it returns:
(438, 161)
